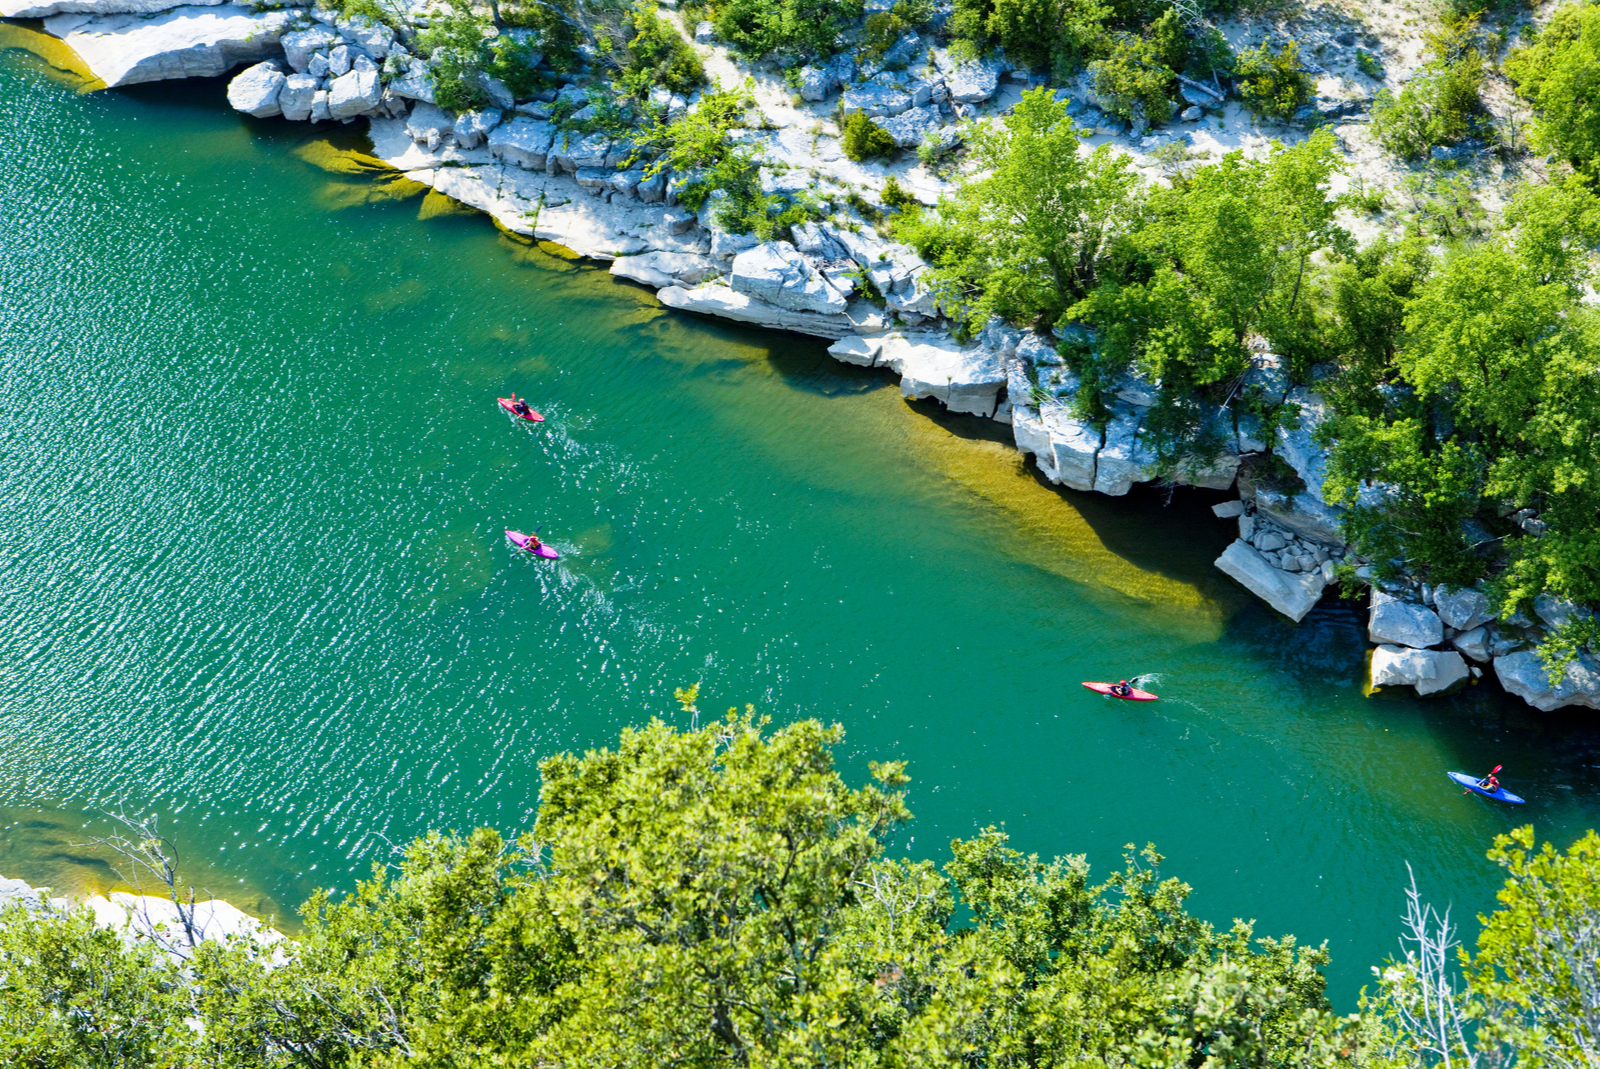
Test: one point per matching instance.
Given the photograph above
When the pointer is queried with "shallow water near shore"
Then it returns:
(254, 496)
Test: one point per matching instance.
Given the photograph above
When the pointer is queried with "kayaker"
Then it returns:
(1489, 783)
(1122, 690)
(520, 407)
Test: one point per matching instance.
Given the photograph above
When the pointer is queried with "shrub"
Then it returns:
(1441, 105)
(863, 139)
(808, 29)
(659, 54)
(1274, 87)
(454, 45)
(895, 195)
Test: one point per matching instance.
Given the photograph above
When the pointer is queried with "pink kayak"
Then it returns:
(1110, 690)
(532, 544)
(510, 405)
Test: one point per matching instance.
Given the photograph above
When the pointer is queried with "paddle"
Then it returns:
(1485, 779)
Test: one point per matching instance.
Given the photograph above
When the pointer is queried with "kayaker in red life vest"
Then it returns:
(1490, 783)
(1122, 690)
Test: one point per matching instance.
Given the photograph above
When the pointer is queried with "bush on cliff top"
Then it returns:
(862, 139)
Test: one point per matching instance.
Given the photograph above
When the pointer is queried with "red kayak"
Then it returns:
(510, 405)
(532, 544)
(1110, 690)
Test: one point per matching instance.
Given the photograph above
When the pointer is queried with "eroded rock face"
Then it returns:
(661, 269)
(1429, 671)
(472, 127)
(909, 127)
(43, 9)
(429, 125)
(415, 83)
(1304, 513)
(965, 379)
(184, 42)
(970, 83)
(1402, 624)
(1522, 673)
(255, 91)
(816, 82)
(1124, 459)
(775, 272)
(876, 99)
(1292, 595)
(721, 301)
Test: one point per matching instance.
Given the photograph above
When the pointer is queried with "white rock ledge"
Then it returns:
(184, 42)
(721, 301)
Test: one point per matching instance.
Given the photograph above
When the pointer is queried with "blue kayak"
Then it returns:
(1499, 794)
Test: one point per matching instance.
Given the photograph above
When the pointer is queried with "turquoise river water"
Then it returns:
(252, 498)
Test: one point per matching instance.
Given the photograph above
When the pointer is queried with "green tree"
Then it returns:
(1272, 83)
(73, 994)
(1558, 70)
(1442, 104)
(801, 29)
(1024, 241)
(862, 139)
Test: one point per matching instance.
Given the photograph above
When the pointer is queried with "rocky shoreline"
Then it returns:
(542, 183)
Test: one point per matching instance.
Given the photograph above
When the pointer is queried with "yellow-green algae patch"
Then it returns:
(61, 63)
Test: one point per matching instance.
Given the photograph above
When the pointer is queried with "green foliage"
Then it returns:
(698, 146)
(1133, 81)
(801, 29)
(1369, 64)
(659, 55)
(1558, 70)
(73, 994)
(895, 195)
(1528, 992)
(1442, 103)
(862, 139)
(454, 45)
(1272, 83)
(1226, 255)
(882, 29)
(709, 897)
(1024, 241)
(510, 60)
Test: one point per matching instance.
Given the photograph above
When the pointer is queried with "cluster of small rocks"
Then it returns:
(333, 75)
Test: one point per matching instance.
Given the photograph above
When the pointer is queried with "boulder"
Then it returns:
(1557, 612)
(718, 300)
(1292, 595)
(1474, 644)
(652, 188)
(339, 60)
(255, 91)
(965, 379)
(1227, 510)
(1522, 673)
(1268, 376)
(369, 35)
(472, 127)
(185, 42)
(522, 141)
(775, 272)
(296, 96)
(1462, 609)
(725, 244)
(875, 99)
(816, 82)
(971, 82)
(910, 127)
(1402, 624)
(1191, 114)
(319, 106)
(415, 83)
(1429, 671)
(592, 179)
(1124, 459)
(662, 269)
(429, 125)
(498, 92)
(704, 32)
(353, 94)
(1136, 389)
(300, 45)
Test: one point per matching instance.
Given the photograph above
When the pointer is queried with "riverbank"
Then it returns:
(548, 185)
